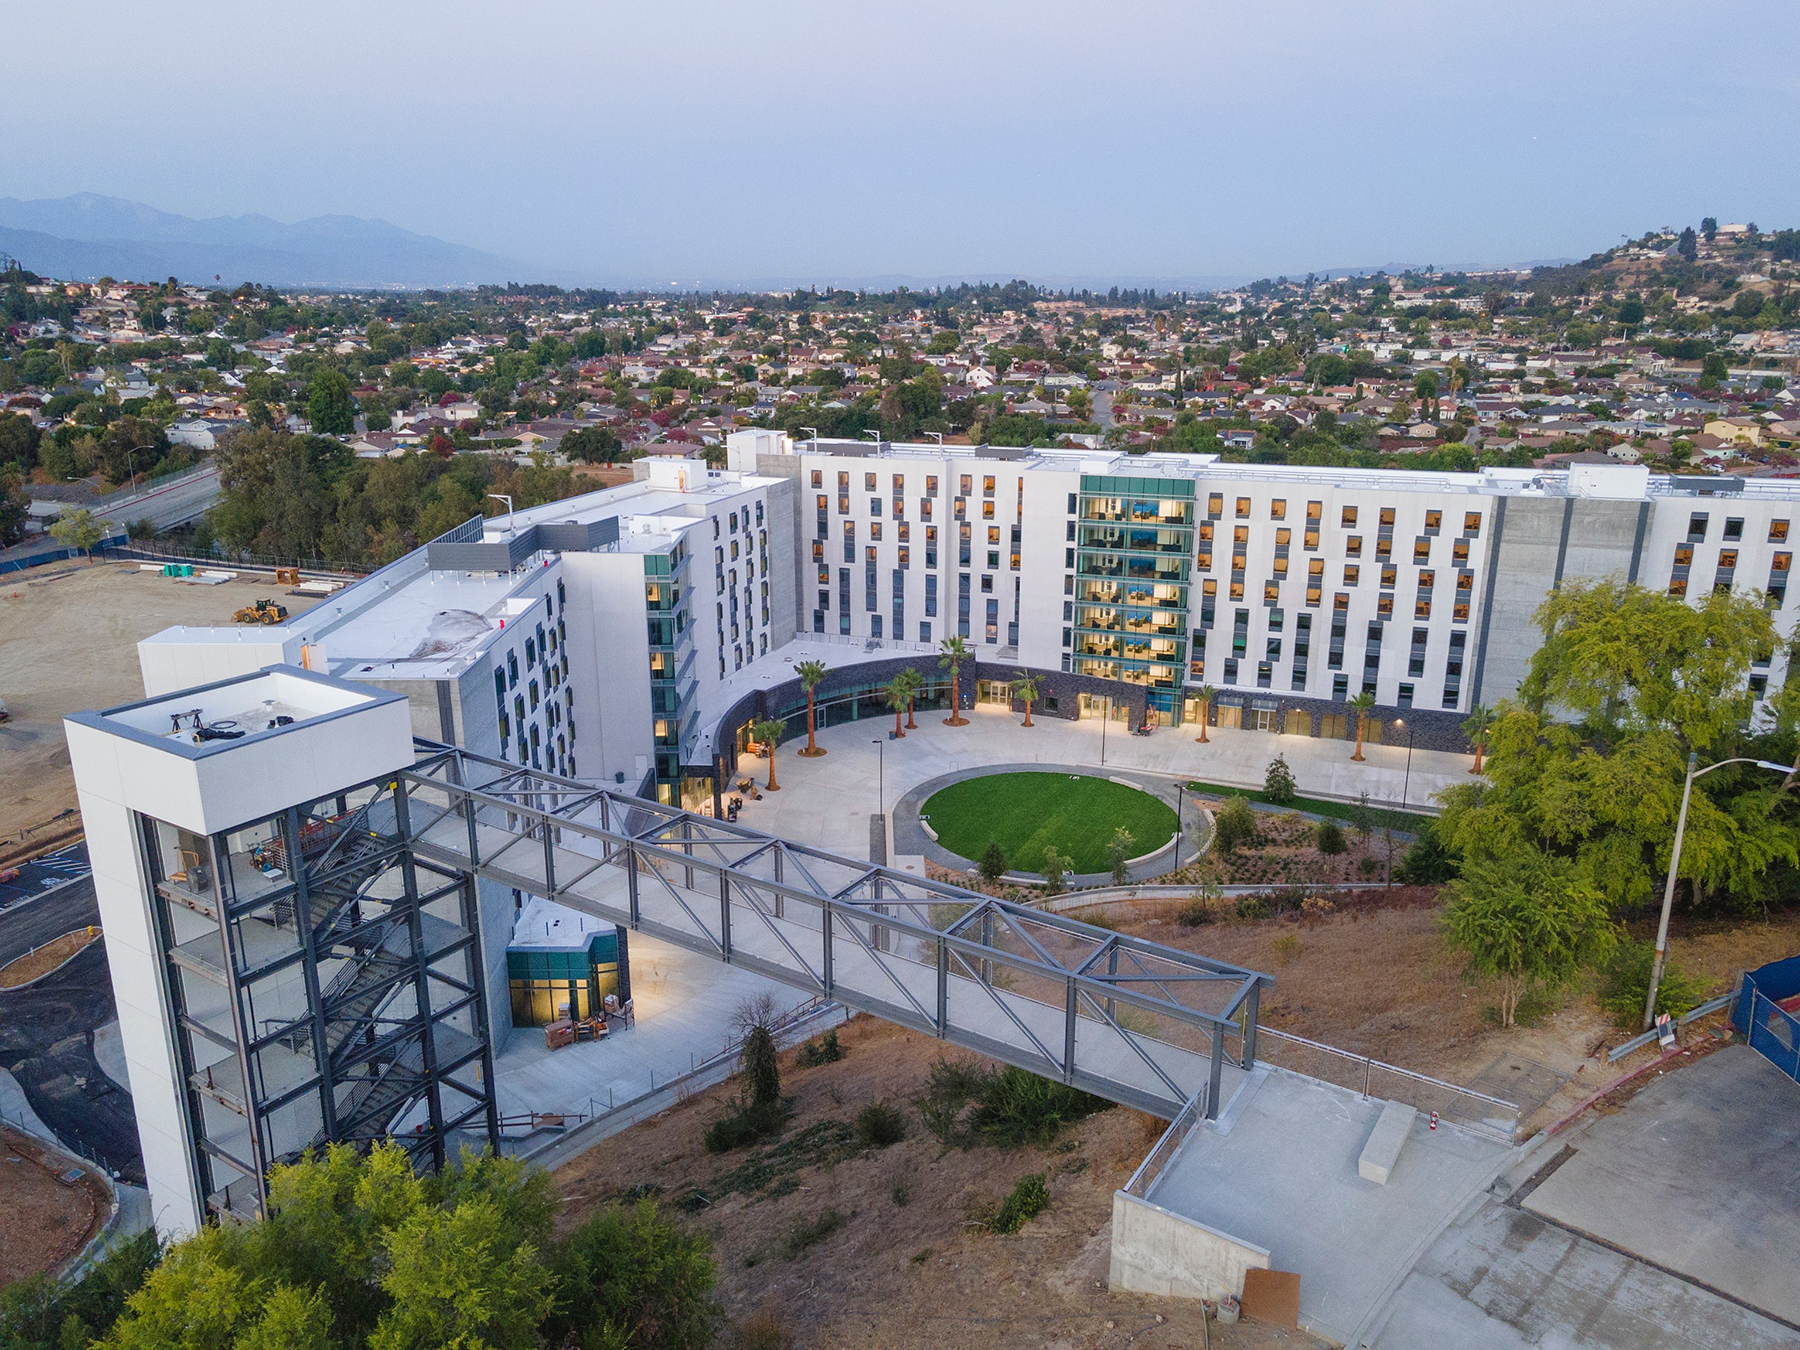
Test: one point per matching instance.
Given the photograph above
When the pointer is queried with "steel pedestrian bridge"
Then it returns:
(1141, 1024)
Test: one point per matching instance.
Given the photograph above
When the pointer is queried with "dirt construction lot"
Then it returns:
(68, 642)
(42, 1221)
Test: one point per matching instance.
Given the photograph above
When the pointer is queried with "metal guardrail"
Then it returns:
(1476, 1111)
(1711, 1005)
(1166, 1147)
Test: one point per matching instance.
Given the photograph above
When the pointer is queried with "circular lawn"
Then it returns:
(1025, 812)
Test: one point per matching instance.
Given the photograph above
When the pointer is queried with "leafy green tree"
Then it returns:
(78, 530)
(19, 440)
(454, 1279)
(592, 445)
(1054, 868)
(1526, 917)
(993, 863)
(1687, 245)
(329, 406)
(1118, 852)
(1278, 782)
(15, 506)
(1645, 680)
(631, 1280)
(1234, 823)
(1329, 838)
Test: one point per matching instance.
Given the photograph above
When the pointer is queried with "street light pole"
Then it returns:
(1406, 778)
(1662, 926)
(880, 778)
(1105, 717)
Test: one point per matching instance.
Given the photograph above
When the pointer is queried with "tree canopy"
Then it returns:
(1588, 763)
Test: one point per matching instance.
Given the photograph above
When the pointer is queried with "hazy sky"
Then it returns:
(665, 141)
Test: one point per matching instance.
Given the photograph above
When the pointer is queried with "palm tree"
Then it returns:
(1476, 726)
(768, 732)
(914, 682)
(1026, 687)
(1206, 694)
(898, 691)
(955, 652)
(1361, 703)
(811, 673)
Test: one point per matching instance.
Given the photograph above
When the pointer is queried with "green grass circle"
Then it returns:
(1024, 812)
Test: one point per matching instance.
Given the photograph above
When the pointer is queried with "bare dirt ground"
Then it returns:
(68, 642)
(42, 1222)
(34, 965)
(919, 1273)
(1373, 976)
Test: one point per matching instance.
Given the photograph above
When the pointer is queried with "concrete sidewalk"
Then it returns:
(827, 801)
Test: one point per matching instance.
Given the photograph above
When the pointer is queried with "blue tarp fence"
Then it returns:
(1771, 1030)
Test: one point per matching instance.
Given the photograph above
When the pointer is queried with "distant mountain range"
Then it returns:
(87, 236)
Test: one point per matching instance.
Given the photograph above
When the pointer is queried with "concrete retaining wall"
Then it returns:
(1156, 1252)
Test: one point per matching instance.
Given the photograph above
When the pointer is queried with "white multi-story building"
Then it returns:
(631, 636)
(1288, 590)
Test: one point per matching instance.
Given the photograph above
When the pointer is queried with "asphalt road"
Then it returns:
(47, 1031)
(169, 506)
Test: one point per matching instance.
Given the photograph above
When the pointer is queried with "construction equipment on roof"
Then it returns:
(263, 611)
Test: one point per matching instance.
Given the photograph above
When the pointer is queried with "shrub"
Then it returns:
(1330, 838)
(745, 1123)
(810, 1232)
(1009, 1108)
(1015, 1107)
(1252, 907)
(1278, 782)
(1287, 947)
(1625, 982)
(820, 1050)
(38, 1313)
(1028, 1200)
(1055, 871)
(1234, 823)
(1427, 862)
(1369, 867)
(1199, 908)
(993, 863)
(879, 1124)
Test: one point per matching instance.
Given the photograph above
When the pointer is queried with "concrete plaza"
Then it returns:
(826, 802)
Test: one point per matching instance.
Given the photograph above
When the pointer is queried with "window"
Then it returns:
(1385, 606)
(1349, 517)
(1697, 525)
(1421, 550)
(1472, 522)
(1727, 559)
(1734, 528)
(987, 510)
(1389, 575)
(1283, 537)
(1314, 510)
(1781, 562)
(1387, 516)
(1215, 504)
(967, 482)
(1778, 531)
(874, 530)
(1352, 574)
(818, 478)
(1427, 579)
(1271, 592)
(1422, 608)
(1312, 536)
(1684, 555)
(1434, 520)
(1678, 586)
(1240, 536)
(1459, 552)
(1243, 507)
(1278, 509)
(868, 482)
(987, 485)
(1353, 546)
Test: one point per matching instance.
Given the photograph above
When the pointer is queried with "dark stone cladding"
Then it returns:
(1432, 729)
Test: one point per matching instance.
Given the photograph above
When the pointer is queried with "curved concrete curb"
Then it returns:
(912, 835)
